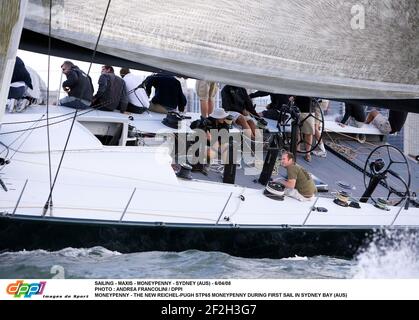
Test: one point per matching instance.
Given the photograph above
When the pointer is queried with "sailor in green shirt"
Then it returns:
(299, 184)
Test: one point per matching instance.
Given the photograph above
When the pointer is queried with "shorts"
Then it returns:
(206, 90)
(293, 193)
(158, 108)
(236, 115)
(318, 116)
(324, 105)
(308, 125)
(382, 124)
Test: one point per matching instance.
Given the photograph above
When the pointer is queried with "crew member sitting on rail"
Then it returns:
(21, 81)
(354, 115)
(168, 93)
(111, 93)
(236, 102)
(274, 107)
(78, 86)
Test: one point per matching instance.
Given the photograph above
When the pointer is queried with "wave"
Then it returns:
(391, 254)
(98, 262)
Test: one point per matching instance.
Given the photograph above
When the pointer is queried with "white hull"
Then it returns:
(96, 182)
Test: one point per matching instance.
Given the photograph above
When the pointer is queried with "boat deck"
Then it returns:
(86, 169)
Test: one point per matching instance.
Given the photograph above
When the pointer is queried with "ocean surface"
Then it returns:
(392, 256)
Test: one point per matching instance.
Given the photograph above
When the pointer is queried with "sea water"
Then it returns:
(389, 255)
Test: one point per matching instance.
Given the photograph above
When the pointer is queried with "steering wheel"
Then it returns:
(291, 112)
(388, 161)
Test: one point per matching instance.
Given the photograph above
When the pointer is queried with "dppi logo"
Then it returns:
(27, 290)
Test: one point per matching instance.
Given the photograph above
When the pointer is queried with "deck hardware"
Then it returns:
(126, 207)
(311, 209)
(400, 210)
(219, 217)
(20, 197)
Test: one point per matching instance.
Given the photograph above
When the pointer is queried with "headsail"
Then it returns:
(11, 21)
(340, 49)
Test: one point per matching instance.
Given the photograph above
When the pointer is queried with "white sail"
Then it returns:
(12, 14)
(341, 48)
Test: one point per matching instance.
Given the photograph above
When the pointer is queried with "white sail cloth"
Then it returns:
(11, 22)
(341, 48)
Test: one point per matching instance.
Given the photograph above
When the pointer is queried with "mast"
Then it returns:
(12, 16)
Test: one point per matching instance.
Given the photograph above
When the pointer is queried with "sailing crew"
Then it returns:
(217, 121)
(21, 80)
(216, 130)
(78, 86)
(22, 77)
(237, 102)
(111, 93)
(393, 124)
(397, 120)
(206, 91)
(168, 93)
(137, 97)
(299, 183)
(354, 113)
(273, 108)
(307, 123)
(324, 106)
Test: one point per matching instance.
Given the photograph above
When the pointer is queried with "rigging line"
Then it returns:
(7, 149)
(149, 188)
(96, 107)
(238, 203)
(344, 148)
(30, 121)
(48, 78)
(48, 203)
(49, 200)
(17, 149)
(159, 183)
(27, 129)
(38, 127)
(167, 213)
(339, 146)
(353, 138)
(98, 38)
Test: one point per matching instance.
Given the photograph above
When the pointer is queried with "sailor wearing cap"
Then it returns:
(216, 128)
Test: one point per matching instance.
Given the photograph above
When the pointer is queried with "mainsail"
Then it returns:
(340, 48)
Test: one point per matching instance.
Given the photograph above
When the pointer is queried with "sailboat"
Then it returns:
(63, 187)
